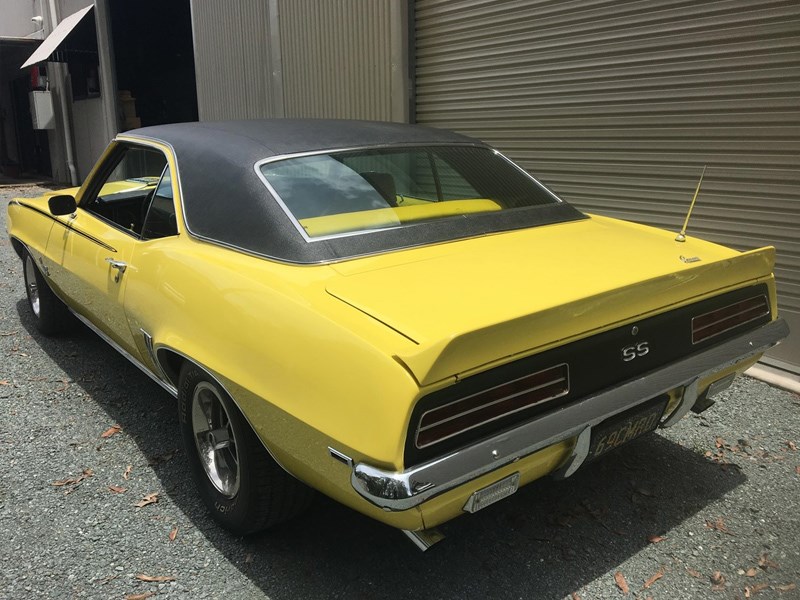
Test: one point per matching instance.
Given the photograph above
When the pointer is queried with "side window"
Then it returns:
(122, 195)
(160, 220)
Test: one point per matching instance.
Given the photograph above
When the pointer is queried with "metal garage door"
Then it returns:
(618, 105)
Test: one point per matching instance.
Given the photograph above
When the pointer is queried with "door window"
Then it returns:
(123, 196)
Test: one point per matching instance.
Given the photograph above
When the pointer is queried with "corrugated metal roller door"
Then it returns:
(618, 105)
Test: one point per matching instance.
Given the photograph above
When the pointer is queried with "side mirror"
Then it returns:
(63, 204)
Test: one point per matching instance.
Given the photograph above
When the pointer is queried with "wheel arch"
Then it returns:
(171, 362)
(18, 246)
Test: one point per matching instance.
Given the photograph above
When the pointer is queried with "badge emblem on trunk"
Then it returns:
(634, 351)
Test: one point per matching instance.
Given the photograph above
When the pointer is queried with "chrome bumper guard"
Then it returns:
(401, 490)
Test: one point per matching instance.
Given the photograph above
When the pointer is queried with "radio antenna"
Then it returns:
(681, 237)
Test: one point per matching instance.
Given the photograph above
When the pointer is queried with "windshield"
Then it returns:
(350, 192)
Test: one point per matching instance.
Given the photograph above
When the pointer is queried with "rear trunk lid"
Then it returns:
(471, 304)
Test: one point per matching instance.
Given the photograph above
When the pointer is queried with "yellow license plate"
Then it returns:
(621, 429)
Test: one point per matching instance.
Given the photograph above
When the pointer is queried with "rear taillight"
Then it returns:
(728, 317)
(483, 407)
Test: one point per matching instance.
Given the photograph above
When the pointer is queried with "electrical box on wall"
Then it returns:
(42, 110)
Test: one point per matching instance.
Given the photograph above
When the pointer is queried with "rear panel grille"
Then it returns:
(717, 322)
(489, 405)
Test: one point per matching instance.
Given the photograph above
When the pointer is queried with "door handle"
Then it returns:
(119, 266)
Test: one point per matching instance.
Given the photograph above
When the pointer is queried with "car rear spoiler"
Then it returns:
(480, 349)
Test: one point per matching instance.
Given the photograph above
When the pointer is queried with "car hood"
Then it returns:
(470, 304)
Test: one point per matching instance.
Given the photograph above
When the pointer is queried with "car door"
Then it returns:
(91, 254)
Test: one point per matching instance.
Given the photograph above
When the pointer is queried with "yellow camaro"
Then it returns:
(396, 316)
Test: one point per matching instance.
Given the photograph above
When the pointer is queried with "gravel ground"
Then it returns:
(707, 509)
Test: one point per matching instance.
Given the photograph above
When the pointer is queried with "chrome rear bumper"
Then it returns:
(401, 490)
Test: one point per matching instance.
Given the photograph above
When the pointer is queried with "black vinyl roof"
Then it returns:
(273, 137)
(225, 202)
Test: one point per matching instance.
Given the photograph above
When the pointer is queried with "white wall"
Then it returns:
(87, 121)
(16, 18)
(89, 132)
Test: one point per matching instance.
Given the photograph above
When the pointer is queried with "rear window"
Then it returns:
(346, 193)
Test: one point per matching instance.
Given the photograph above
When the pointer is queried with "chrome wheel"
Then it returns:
(243, 487)
(215, 439)
(33, 287)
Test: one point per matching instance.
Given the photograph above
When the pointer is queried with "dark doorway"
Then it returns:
(32, 145)
(24, 151)
(154, 59)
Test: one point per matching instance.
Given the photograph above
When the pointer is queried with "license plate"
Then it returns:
(722, 384)
(623, 428)
(493, 493)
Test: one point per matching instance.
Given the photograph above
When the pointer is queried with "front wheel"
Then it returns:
(49, 313)
(242, 485)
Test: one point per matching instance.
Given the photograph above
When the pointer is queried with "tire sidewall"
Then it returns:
(233, 512)
(38, 282)
(52, 316)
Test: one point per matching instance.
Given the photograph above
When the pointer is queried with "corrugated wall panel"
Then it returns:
(618, 105)
(233, 59)
(337, 58)
(301, 58)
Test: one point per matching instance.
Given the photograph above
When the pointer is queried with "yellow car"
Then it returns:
(396, 316)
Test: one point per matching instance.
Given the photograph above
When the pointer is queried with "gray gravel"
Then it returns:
(721, 489)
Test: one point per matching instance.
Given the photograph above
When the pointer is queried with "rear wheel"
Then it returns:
(49, 313)
(242, 485)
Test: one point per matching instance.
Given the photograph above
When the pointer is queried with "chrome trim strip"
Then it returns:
(138, 138)
(170, 388)
(148, 343)
(295, 221)
(758, 316)
(100, 243)
(69, 226)
(482, 406)
(401, 490)
(340, 456)
(34, 209)
(528, 175)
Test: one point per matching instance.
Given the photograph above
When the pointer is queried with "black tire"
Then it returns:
(245, 490)
(49, 313)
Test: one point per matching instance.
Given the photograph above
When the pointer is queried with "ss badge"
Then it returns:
(635, 351)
